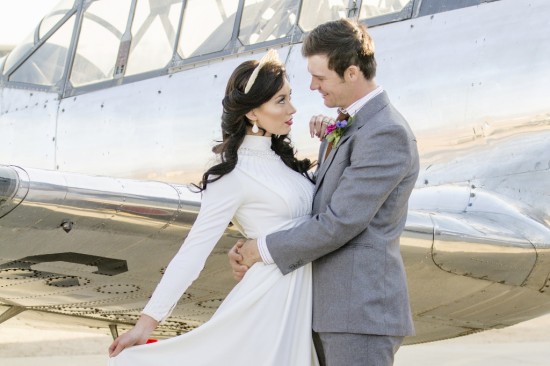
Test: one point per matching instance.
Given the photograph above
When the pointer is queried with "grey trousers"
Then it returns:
(347, 349)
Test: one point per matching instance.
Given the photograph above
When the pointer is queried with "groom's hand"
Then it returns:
(242, 256)
(250, 253)
(235, 259)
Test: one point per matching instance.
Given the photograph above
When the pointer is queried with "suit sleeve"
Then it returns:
(220, 201)
(379, 161)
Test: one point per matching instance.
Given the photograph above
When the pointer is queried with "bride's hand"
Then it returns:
(139, 334)
(318, 125)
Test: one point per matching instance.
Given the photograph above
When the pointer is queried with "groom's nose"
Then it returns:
(314, 85)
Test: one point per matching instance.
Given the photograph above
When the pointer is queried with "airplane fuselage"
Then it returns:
(472, 82)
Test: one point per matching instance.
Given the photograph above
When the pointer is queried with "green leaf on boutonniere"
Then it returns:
(336, 130)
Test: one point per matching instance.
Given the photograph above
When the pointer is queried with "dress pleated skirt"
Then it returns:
(264, 321)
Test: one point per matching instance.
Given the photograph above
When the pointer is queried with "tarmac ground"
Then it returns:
(23, 343)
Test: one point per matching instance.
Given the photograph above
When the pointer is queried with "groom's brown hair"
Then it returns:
(345, 42)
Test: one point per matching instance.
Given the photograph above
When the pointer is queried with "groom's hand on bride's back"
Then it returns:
(235, 259)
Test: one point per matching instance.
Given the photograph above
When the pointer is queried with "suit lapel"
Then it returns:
(323, 169)
(359, 120)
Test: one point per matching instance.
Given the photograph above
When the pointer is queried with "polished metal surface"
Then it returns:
(91, 245)
(13, 188)
(473, 82)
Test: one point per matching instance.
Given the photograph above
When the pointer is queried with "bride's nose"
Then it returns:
(292, 109)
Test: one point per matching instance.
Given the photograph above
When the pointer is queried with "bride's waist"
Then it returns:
(296, 221)
(300, 219)
(279, 226)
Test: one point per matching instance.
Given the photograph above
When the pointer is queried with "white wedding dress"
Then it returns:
(266, 319)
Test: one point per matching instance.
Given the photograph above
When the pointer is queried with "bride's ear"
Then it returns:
(252, 116)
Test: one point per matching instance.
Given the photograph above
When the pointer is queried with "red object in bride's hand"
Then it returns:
(151, 341)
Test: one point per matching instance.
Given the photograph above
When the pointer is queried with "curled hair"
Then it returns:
(236, 104)
(345, 42)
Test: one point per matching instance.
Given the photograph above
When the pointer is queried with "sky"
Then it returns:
(18, 18)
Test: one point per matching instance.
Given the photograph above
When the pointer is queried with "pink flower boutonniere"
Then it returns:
(336, 130)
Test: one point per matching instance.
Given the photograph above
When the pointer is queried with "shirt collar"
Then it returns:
(360, 103)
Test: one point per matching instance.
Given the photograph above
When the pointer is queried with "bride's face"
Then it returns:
(275, 115)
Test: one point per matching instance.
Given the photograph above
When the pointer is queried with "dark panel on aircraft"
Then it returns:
(105, 266)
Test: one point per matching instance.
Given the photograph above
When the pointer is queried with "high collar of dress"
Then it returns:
(252, 142)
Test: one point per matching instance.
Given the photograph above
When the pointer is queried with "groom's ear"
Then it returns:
(353, 72)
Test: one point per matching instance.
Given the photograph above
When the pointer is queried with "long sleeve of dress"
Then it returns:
(220, 201)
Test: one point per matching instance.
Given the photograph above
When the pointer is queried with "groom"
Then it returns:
(361, 309)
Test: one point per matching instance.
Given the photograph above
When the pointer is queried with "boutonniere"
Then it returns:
(336, 130)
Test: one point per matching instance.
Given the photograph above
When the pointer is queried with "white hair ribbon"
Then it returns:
(270, 56)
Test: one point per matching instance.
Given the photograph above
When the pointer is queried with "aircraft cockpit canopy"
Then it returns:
(84, 45)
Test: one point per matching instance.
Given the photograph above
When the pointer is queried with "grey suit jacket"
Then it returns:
(359, 212)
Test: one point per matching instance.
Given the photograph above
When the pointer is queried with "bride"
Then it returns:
(261, 187)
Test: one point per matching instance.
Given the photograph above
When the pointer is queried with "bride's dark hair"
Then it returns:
(236, 105)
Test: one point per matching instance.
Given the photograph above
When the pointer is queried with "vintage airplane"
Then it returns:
(110, 108)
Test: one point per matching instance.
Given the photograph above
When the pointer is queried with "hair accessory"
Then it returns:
(255, 128)
(270, 56)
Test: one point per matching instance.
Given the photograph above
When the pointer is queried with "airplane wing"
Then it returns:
(95, 247)
(475, 260)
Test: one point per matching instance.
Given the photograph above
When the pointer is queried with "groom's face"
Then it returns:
(332, 87)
